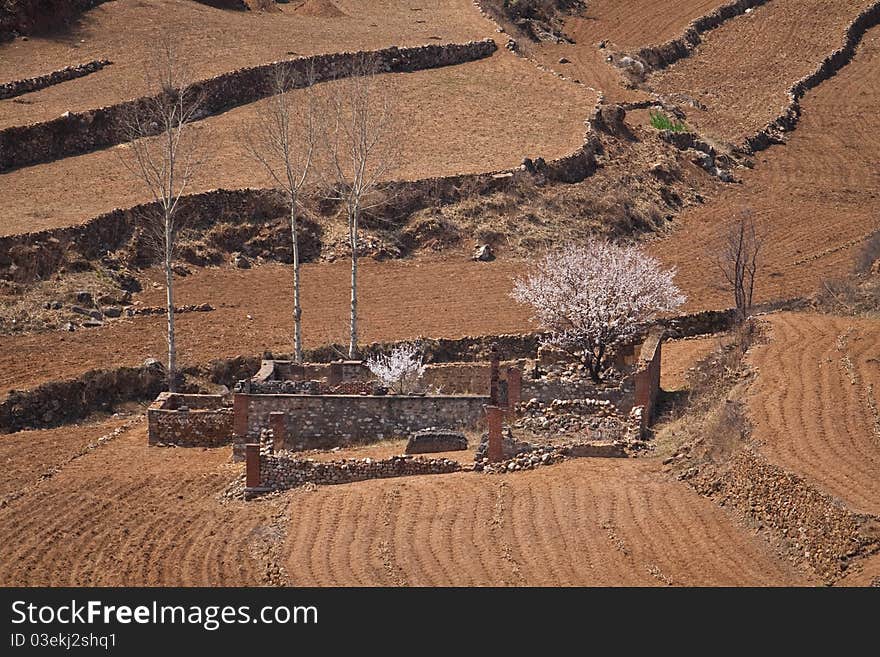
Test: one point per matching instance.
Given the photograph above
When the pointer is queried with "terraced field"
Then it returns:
(492, 113)
(816, 199)
(815, 403)
(214, 41)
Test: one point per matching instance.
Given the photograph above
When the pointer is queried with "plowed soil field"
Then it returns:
(100, 521)
(815, 403)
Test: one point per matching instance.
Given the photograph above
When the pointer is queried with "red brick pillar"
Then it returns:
(240, 414)
(514, 388)
(252, 465)
(279, 430)
(493, 419)
(493, 376)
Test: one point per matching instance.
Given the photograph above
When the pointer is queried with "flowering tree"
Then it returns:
(400, 370)
(591, 297)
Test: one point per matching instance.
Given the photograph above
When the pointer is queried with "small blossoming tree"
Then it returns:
(400, 370)
(594, 296)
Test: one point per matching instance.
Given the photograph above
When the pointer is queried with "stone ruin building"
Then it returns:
(533, 407)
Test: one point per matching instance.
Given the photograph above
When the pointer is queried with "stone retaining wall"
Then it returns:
(190, 420)
(81, 132)
(19, 87)
(58, 402)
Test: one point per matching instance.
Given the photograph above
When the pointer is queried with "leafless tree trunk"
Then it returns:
(738, 262)
(164, 164)
(360, 138)
(284, 142)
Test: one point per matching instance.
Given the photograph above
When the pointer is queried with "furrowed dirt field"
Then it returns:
(816, 199)
(214, 41)
(490, 114)
(815, 403)
(100, 521)
(742, 71)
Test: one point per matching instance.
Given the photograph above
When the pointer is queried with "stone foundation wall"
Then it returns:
(323, 421)
(283, 470)
(81, 132)
(190, 420)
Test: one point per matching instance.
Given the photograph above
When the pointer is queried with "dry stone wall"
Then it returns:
(29, 85)
(666, 54)
(773, 132)
(80, 132)
(282, 470)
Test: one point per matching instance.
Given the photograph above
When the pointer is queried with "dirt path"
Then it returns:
(816, 198)
(213, 41)
(586, 522)
(815, 403)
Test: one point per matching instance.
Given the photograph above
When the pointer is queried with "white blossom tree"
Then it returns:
(400, 370)
(592, 297)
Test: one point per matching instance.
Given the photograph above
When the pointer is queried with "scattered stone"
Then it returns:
(112, 312)
(96, 315)
(92, 323)
(85, 298)
(564, 60)
(240, 261)
(79, 310)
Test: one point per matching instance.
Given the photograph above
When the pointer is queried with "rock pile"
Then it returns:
(160, 310)
(596, 417)
(816, 529)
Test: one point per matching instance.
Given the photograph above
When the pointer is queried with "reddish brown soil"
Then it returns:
(585, 522)
(100, 521)
(679, 356)
(213, 41)
(743, 70)
(27, 455)
(815, 403)
(480, 116)
(815, 199)
(398, 300)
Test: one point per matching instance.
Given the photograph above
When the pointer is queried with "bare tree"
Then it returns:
(359, 134)
(738, 262)
(592, 297)
(400, 370)
(284, 142)
(163, 155)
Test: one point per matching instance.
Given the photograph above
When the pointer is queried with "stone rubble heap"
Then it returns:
(284, 470)
(596, 417)
(436, 439)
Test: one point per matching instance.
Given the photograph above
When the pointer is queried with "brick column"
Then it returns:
(252, 467)
(240, 414)
(494, 375)
(493, 419)
(334, 376)
(279, 430)
(514, 388)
